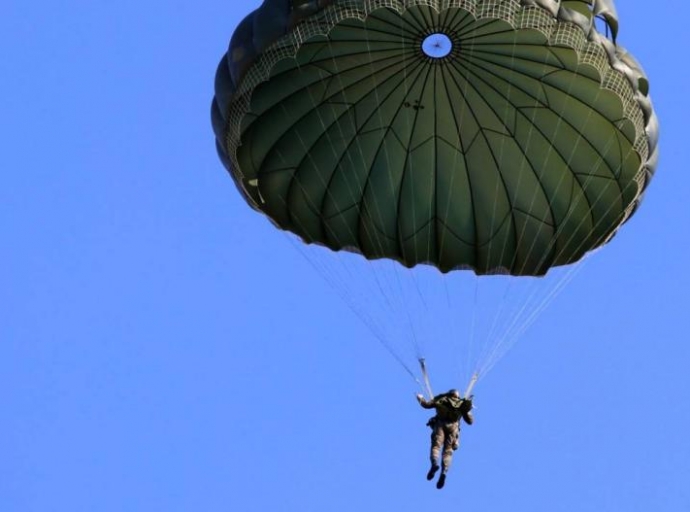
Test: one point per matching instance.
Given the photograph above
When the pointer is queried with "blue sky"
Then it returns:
(163, 347)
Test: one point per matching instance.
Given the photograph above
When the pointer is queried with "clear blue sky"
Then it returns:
(163, 347)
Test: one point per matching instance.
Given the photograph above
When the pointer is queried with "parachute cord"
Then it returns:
(511, 338)
(380, 278)
(402, 298)
(499, 312)
(471, 346)
(425, 375)
(407, 311)
(405, 367)
(489, 344)
(353, 306)
(350, 301)
(517, 326)
(470, 386)
(454, 332)
(498, 348)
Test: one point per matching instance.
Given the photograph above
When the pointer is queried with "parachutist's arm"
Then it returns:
(466, 409)
(427, 404)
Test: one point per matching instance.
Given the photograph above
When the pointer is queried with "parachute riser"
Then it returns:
(425, 375)
(427, 382)
(470, 386)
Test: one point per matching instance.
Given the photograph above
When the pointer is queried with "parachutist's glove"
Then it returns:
(420, 397)
(467, 404)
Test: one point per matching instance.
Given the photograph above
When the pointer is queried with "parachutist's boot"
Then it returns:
(432, 472)
(441, 481)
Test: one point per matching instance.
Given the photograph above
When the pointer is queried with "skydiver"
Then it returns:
(445, 429)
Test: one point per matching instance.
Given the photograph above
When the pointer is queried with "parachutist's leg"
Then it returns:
(445, 463)
(456, 440)
(452, 432)
(447, 458)
(438, 438)
(437, 441)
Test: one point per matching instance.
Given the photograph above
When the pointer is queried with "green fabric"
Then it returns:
(521, 150)
(583, 7)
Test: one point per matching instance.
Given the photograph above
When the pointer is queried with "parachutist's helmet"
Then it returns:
(454, 392)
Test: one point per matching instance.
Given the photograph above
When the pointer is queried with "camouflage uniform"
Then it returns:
(445, 428)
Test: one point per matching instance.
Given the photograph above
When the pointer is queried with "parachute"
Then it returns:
(502, 137)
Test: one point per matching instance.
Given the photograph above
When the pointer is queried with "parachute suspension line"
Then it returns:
(576, 267)
(516, 330)
(457, 116)
(473, 328)
(513, 331)
(425, 375)
(453, 331)
(452, 74)
(337, 285)
(350, 300)
(489, 338)
(379, 278)
(470, 386)
(395, 280)
(500, 347)
(411, 123)
(493, 341)
(533, 306)
(521, 322)
(431, 80)
(515, 324)
(511, 338)
(400, 296)
(409, 275)
(354, 306)
(506, 108)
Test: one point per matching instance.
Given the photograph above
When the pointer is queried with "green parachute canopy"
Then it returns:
(502, 136)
